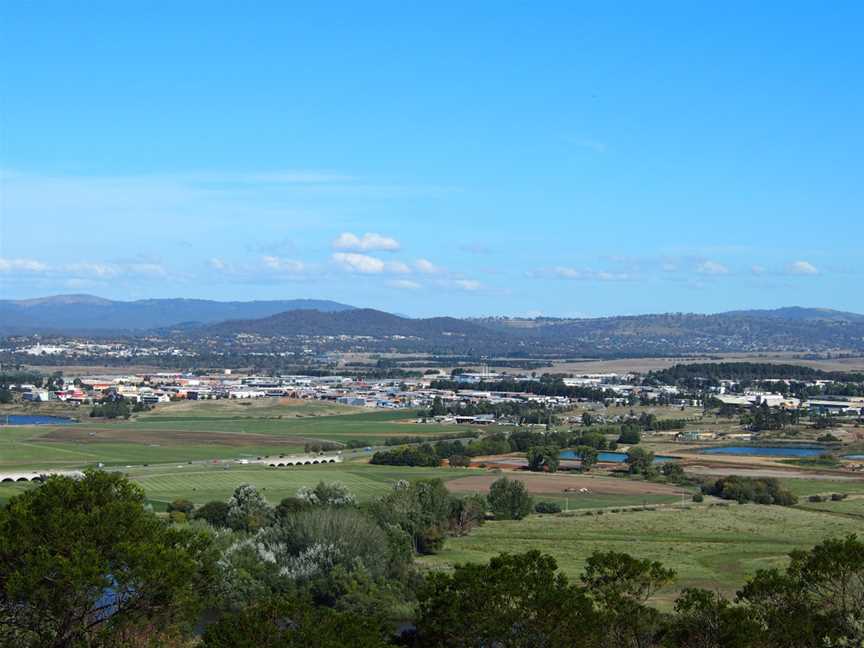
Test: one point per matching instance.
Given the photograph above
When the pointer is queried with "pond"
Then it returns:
(856, 457)
(765, 451)
(22, 419)
(612, 457)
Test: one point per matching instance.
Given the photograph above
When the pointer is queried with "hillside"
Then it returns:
(355, 322)
(67, 313)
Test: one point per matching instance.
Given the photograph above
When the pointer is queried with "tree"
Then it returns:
(673, 471)
(5, 396)
(587, 457)
(438, 407)
(421, 508)
(247, 509)
(630, 434)
(459, 461)
(181, 506)
(82, 558)
(509, 500)
(327, 494)
(587, 419)
(620, 585)
(285, 623)
(543, 458)
(214, 513)
(639, 460)
(516, 601)
(704, 619)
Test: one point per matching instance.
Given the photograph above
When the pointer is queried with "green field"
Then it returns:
(711, 547)
(202, 431)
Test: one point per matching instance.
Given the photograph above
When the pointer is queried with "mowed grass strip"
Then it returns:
(713, 547)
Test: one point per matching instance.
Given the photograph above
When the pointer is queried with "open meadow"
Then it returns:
(709, 546)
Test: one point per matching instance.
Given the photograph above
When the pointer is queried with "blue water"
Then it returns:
(755, 451)
(614, 457)
(20, 419)
(856, 457)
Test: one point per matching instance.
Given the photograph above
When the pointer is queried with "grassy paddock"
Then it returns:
(712, 547)
(205, 430)
(205, 483)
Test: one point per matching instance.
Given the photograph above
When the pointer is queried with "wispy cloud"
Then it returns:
(22, 265)
(712, 268)
(576, 274)
(82, 269)
(283, 265)
(802, 268)
(404, 284)
(365, 264)
(369, 242)
(427, 267)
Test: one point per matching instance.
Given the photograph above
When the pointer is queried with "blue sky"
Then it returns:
(436, 158)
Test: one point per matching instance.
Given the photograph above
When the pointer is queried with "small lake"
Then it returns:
(767, 451)
(855, 457)
(22, 419)
(612, 457)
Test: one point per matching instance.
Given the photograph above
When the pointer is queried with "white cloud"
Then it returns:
(359, 263)
(82, 268)
(397, 267)
(469, 285)
(88, 268)
(575, 274)
(405, 284)
(426, 267)
(22, 265)
(283, 265)
(153, 269)
(712, 268)
(758, 270)
(217, 264)
(802, 268)
(367, 243)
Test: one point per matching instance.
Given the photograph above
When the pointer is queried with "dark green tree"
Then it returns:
(81, 559)
(515, 601)
(509, 500)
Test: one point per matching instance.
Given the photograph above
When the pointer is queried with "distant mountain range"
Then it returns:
(784, 329)
(79, 313)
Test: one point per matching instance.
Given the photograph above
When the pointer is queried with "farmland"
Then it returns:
(187, 450)
(203, 431)
(713, 547)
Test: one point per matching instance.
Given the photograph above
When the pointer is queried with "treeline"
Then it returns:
(699, 375)
(760, 490)
(84, 563)
(432, 454)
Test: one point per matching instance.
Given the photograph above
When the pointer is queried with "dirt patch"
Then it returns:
(84, 434)
(557, 483)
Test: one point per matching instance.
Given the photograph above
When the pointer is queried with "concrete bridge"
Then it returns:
(299, 460)
(36, 476)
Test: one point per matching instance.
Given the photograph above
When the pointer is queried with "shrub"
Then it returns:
(698, 497)
(181, 506)
(547, 507)
(815, 498)
(836, 497)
